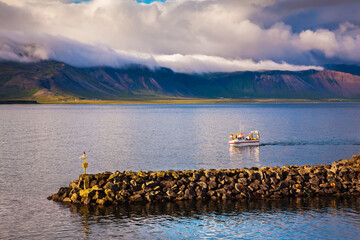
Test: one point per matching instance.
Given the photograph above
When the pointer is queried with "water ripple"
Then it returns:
(328, 218)
(316, 143)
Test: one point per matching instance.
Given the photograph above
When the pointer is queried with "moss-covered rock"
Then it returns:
(160, 174)
(86, 200)
(136, 198)
(99, 194)
(85, 192)
(96, 188)
(112, 176)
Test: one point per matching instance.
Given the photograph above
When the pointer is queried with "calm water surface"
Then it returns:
(40, 146)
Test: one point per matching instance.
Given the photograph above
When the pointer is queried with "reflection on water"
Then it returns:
(246, 154)
(232, 218)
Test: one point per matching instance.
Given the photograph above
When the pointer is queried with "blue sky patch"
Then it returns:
(139, 1)
(149, 1)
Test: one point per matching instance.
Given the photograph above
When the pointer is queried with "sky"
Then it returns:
(184, 35)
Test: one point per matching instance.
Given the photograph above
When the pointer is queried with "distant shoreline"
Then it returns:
(18, 102)
(174, 101)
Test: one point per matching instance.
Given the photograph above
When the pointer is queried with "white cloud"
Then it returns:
(113, 32)
(322, 40)
(202, 63)
(18, 46)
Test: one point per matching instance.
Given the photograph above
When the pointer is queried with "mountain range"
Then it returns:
(56, 80)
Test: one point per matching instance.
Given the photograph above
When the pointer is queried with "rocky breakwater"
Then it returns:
(340, 178)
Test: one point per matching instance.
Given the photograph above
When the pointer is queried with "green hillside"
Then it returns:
(51, 80)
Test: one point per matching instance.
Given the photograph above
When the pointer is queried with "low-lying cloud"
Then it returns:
(17, 46)
(185, 35)
(202, 63)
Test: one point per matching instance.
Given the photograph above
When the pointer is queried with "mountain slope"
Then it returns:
(58, 80)
(279, 84)
(18, 80)
(352, 69)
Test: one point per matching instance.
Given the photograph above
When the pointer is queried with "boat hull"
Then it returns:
(238, 143)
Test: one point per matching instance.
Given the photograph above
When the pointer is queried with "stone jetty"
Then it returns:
(339, 179)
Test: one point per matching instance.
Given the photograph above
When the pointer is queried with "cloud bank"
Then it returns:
(21, 47)
(203, 63)
(185, 35)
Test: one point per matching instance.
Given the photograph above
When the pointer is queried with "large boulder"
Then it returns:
(136, 198)
(189, 194)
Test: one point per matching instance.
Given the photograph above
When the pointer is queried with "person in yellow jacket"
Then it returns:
(241, 135)
(232, 137)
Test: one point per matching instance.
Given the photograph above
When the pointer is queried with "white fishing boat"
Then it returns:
(253, 139)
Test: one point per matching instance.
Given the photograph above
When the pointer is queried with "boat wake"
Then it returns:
(317, 143)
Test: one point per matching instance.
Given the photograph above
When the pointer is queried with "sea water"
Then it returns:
(40, 146)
